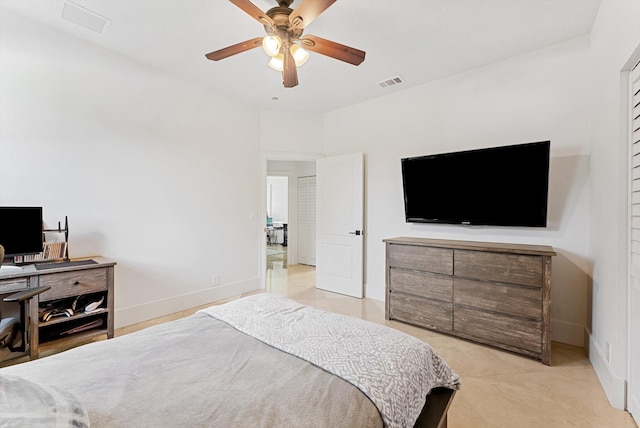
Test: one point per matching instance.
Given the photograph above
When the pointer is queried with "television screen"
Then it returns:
(21, 230)
(498, 186)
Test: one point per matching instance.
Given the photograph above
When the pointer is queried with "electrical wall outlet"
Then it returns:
(215, 280)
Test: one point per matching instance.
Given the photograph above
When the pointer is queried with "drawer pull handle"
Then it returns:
(76, 283)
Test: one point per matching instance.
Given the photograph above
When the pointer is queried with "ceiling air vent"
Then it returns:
(392, 81)
(85, 18)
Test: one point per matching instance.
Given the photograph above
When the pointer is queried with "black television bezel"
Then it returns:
(539, 223)
(31, 248)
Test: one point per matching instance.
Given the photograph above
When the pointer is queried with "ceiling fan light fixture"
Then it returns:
(284, 42)
(300, 56)
(277, 62)
(271, 45)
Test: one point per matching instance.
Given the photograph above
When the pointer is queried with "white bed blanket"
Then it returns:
(395, 370)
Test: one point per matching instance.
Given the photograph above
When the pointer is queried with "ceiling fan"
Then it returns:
(284, 41)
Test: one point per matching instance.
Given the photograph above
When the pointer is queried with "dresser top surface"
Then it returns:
(498, 247)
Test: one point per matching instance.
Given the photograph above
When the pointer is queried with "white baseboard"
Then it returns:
(568, 332)
(633, 407)
(613, 385)
(149, 310)
(375, 295)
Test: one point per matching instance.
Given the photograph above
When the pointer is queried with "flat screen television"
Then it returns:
(21, 230)
(498, 186)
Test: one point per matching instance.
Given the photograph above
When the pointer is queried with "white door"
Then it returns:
(340, 218)
(307, 220)
(633, 385)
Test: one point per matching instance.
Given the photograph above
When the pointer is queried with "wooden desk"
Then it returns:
(69, 283)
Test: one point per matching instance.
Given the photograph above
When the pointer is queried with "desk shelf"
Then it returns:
(81, 315)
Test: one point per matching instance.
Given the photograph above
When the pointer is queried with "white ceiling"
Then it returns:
(420, 40)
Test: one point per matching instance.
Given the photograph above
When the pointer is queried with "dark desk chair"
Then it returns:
(13, 330)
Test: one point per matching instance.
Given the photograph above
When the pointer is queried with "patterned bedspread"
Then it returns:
(395, 370)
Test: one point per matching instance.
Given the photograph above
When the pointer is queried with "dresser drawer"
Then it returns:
(507, 299)
(68, 284)
(496, 329)
(424, 284)
(436, 260)
(499, 267)
(423, 312)
(11, 285)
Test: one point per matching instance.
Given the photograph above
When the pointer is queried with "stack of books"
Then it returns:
(51, 251)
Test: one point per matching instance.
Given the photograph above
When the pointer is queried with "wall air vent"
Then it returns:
(392, 81)
(85, 18)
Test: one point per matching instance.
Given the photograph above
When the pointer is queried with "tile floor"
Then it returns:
(276, 256)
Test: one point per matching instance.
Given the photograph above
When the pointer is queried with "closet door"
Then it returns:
(307, 220)
(633, 384)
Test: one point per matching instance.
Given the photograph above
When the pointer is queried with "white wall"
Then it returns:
(157, 174)
(291, 132)
(533, 97)
(614, 37)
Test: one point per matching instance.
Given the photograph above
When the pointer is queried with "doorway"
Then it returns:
(277, 221)
(277, 255)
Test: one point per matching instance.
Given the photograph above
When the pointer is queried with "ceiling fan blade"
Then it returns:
(289, 71)
(254, 11)
(334, 50)
(307, 11)
(234, 49)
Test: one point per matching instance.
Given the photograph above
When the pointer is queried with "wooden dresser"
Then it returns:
(73, 284)
(492, 293)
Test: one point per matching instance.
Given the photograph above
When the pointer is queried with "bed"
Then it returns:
(259, 361)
